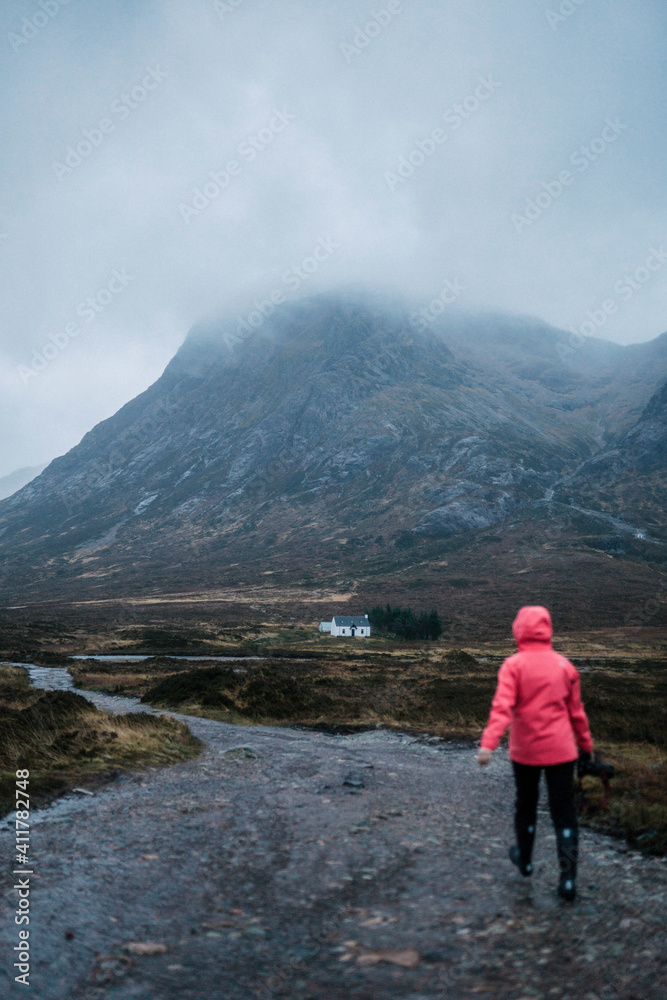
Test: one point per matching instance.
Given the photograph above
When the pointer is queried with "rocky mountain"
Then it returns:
(16, 480)
(337, 444)
(629, 475)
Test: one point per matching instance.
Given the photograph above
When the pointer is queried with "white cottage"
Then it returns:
(354, 625)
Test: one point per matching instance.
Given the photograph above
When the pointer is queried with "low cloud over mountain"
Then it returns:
(342, 439)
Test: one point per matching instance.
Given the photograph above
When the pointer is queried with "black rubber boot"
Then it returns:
(567, 845)
(522, 852)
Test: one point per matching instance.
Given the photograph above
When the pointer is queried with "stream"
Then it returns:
(140, 657)
(60, 679)
(294, 870)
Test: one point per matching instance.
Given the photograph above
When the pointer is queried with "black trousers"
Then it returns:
(560, 787)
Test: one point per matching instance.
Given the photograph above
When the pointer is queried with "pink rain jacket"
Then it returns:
(538, 696)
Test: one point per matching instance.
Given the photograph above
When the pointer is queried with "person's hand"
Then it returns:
(484, 756)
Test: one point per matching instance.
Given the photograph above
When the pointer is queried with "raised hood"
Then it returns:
(532, 624)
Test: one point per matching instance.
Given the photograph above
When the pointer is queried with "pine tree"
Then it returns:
(402, 623)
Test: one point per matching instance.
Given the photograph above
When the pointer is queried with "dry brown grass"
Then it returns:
(426, 688)
(63, 740)
(638, 806)
(449, 697)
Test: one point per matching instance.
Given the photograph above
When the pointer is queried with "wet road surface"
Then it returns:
(291, 864)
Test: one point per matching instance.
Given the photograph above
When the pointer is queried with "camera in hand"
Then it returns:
(591, 764)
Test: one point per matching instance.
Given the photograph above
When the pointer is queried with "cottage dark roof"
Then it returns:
(349, 620)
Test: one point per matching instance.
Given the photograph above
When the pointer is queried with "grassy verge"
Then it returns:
(448, 696)
(637, 810)
(63, 740)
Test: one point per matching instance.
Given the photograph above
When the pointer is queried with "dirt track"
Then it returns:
(266, 876)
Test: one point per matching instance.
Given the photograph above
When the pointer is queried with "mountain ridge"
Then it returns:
(337, 420)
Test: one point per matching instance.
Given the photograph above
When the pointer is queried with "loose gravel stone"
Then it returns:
(259, 887)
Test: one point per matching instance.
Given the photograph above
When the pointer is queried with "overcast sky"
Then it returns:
(516, 147)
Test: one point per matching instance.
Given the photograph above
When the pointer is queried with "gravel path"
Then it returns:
(264, 875)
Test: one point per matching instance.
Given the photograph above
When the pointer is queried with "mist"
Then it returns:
(168, 162)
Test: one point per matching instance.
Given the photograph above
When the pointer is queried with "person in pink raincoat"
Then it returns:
(538, 696)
